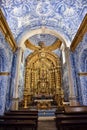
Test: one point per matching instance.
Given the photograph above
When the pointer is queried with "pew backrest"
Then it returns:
(21, 113)
(14, 125)
(75, 109)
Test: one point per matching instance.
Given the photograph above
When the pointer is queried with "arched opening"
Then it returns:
(24, 43)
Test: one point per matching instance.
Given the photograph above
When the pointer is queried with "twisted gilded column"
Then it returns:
(32, 80)
(59, 93)
(52, 80)
(27, 89)
(58, 79)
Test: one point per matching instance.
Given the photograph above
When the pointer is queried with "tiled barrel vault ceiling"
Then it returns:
(63, 16)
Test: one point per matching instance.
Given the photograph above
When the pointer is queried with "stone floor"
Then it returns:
(46, 124)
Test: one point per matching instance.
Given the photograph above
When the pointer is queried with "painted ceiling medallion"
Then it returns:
(43, 9)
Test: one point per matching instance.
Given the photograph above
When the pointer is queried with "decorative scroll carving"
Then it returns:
(54, 46)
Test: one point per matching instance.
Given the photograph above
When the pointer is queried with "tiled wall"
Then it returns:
(79, 64)
(6, 63)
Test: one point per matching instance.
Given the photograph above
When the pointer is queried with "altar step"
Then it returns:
(46, 113)
(46, 118)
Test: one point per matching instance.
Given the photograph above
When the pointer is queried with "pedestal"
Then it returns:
(73, 101)
(14, 104)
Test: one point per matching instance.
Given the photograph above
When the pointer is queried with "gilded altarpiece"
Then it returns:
(42, 76)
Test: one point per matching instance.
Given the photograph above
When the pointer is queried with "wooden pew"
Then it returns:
(24, 110)
(63, 117)
(20, 118)
(58, 112)
(21, 115)
(75, 109)
(21, 112)
(17, 125)
(73, 125)
(69, 116)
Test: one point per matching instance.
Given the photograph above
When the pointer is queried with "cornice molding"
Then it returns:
(4, 73)
(82, 74)
(79, 35)
(4, 28)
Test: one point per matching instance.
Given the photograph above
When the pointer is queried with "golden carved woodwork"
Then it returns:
(80, 33)
(4, 73)
(4, 28)
(42, 76)
(31, 46)
(44, 104)
(82, 74)
(54, 46)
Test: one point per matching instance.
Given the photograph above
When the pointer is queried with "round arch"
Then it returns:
(42, 30)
